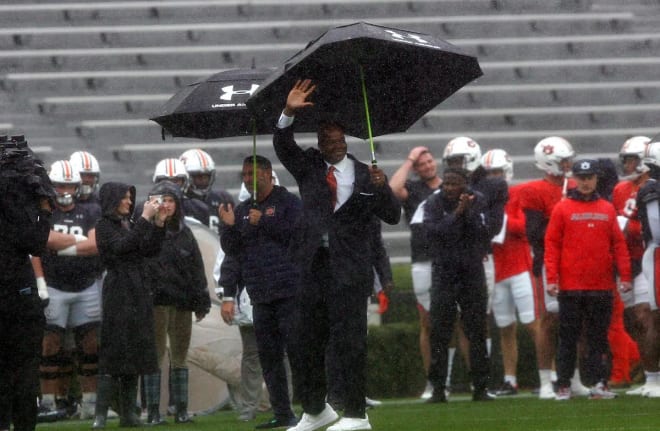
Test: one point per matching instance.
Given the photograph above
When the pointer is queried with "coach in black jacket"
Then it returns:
(331, 243)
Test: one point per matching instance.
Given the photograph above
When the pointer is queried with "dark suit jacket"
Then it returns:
(348, 227)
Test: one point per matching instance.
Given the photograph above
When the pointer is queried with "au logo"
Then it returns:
(270, 211)
(229, 92)
(548, 149)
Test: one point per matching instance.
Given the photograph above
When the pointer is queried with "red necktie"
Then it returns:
(332, 184)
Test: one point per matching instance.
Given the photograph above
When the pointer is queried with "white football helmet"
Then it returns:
(198, 162)
(466, 147)
(498, 159)
(652, 154)
(86, 163)
(62, 173)
(635, 147)
(170, 169)
(550, 152)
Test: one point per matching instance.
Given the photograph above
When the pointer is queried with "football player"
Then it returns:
(90, 174)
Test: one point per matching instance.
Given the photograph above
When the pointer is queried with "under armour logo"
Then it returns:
(585, 166)
(402, 37)
(229, 91)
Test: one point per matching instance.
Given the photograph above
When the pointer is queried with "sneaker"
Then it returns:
(563, 394)
(579, 390)
(351, 424)
(278, 423)
(652, 390)
(428, 391)
(640, 390)
(482, 395)
(313, 422)
(372, 403)
(601, 392)
(439, 396)
(506, 389)
(546, 392)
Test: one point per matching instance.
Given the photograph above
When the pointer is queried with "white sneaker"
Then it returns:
(351, 424)
(563, 394)
(546, 392)
(372, 403)
(637, 391)
(601, 392)
(313, 422)
(651, 390)
(428, 391)
(579, 390)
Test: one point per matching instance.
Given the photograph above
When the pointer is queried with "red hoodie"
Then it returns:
(583, 242)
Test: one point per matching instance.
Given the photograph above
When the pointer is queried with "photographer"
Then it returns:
(24, 226)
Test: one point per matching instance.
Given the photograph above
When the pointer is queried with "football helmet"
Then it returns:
(549, 153)
(62, 173)
(198, 162)
(170, 169)
(465, 147)
(635, 147)
(652, 154)
(498, 159)
(86, 163)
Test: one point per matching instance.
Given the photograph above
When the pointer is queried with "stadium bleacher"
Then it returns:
(88, 75)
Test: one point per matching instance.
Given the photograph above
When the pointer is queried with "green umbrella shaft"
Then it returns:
(254, 162)
(368, 117)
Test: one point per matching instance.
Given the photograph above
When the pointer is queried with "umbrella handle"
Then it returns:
(368, 117)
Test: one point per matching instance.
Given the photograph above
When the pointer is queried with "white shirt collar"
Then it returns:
(340, 165)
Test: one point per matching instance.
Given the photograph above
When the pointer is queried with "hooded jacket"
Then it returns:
(176, 276)
(127, 330)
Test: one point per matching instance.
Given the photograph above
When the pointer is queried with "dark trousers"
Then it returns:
(463, 287)
(589, 312)
(331, 317)
(272, 326)
(22, 327)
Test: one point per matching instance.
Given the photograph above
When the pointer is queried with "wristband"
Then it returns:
(69, 251)
(79, 238)
(228, 299)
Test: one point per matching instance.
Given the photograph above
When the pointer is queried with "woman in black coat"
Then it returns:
(127, 344)
(178, 283)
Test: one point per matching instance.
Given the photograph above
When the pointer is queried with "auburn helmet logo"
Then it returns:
(548, 149)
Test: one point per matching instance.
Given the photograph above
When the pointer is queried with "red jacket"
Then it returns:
(513, 257)
(583, 242)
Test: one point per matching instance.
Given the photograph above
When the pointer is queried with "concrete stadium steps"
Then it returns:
(195, 10)
(299, 31)
(139, 129)
(164, 79)
(471, 96)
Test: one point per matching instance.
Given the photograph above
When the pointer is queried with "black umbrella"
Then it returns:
(405, 74)
(214, 107)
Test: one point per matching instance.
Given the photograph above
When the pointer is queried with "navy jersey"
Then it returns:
(213, 200)
(418, 191)
(73, 273)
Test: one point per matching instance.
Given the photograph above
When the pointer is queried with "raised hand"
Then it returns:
(298, 96)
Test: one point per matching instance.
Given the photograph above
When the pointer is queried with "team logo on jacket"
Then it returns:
(270, 211)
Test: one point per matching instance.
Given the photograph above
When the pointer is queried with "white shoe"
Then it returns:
(601, 392)
(372, 403)
(351, 424)
(651, 390)
(637, 391)
(546, 392)
(428, 391)
(313, 422)
(579, 390)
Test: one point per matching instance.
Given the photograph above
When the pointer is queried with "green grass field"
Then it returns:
(523, 412)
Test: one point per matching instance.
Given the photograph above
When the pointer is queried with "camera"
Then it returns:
(159, 198)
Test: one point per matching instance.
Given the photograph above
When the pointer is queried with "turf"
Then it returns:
(523, 412)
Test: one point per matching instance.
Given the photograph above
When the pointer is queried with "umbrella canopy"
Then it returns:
(406, 74)
(214, 107)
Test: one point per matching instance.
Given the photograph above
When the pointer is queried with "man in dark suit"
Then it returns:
(340, 196)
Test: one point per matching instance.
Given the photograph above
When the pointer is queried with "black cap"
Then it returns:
(585, 167)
